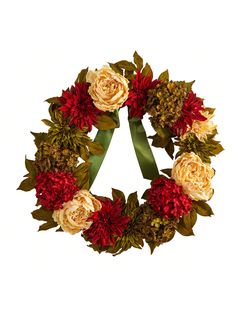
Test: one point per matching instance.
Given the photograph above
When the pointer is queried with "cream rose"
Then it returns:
(108, 89)
(73, 216)
(202, 128)
(194, 176)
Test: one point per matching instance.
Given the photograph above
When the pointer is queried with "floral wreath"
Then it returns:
(67, 159)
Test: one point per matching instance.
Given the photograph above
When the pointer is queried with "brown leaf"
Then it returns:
(42, 214)
(82, 76)
(48, 225)
(82, 175)
(202, 208)
(116, 68)
(118, 194)
(127, 65)
(147, 71)
(27, 184)
(164, 76)
(105, 122)
(95, 148)
(138, 60)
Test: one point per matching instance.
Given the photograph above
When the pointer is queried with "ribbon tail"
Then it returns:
(103, 137)
(143, 150)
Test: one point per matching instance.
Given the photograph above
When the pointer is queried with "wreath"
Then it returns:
(67, 160)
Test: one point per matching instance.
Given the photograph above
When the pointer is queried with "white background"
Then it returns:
(44, 44)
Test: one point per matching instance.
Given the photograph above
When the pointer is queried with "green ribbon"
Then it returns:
(143, 150)
(103, 137)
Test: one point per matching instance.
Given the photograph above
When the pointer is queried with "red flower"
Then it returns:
(168, 199)
(107, 224)
(78, 105)
(191, 111)
(55, 188)
(137, 98)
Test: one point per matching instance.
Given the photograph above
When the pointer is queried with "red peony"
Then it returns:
(55, 188)
(107, 224)
(78, 105)
(191, 111)
(137, 98)
(168, 199)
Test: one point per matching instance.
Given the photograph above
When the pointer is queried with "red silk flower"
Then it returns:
(77, 104)
(137, 98)
(192, 108)
(55, 188)
(108, 223)
(168, 199)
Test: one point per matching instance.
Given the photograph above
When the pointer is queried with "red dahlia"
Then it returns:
(137, 98)
(55, 188)
(168, 199)
(191, 111)
(107, 224)
(77, 104)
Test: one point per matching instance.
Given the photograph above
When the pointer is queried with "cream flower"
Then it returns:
(108, 89)
(194, 176)
(202, 128)
(73, 216)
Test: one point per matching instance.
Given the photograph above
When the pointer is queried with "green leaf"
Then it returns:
(133, 198)
(84, 152)
(123, 64)
(129, 75)
(59, 229)
(82, 76)
(202, 208)
(167, 171)
(27, 184)
(144, 196)
(186, 223)
(193, 217)
(162, 138)
(48, 122)
(147, 71)
(183, 230)
(53, 100)
(138, 60)
(48, 225)
(170, 148)
(39, 138)
(30, 166)
(118, 194)
(164, 76)
(189, 85)
(210, 110)
(116, 68)
(82, 175)
(152, 246)
(132, 205)
(105, 122)
(95, 148)
(55, 114)
(218, 148)
(190, 219)
(42, 214)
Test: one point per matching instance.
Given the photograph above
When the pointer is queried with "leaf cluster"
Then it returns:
(128, 68)
(205, 150)
(29, 182)
(187, 222)
(42, 214)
